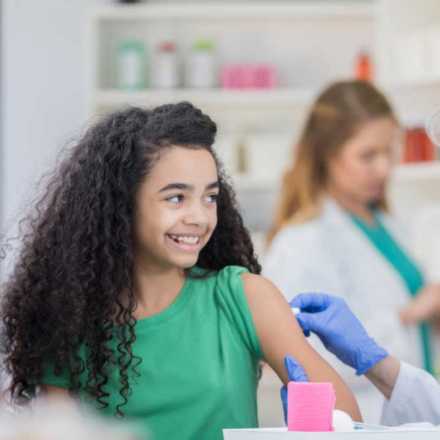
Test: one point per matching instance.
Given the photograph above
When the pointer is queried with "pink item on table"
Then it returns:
(310, 406)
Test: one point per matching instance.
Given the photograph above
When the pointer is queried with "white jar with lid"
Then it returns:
(165, 68)
(201, 69)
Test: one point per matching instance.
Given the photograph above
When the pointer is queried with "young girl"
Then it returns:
(136, 287)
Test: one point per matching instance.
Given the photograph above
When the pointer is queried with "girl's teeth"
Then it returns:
(185, 239)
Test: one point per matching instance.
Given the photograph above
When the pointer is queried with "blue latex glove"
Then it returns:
(295, 373)
(342, 334)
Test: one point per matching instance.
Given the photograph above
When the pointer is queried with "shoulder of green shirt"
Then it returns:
(230, 286)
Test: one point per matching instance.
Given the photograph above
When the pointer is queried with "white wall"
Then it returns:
(44, 92)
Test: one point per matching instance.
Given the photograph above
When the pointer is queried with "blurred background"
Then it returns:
(254, 66)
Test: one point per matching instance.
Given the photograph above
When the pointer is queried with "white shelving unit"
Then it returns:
(286, 34)
(418, 172)
(408, 41)
(413, 174)
(237, 10)
(425, 81)
(214, 98)
(403, 174)
(407, 54)
(264, 31)
(311, 43)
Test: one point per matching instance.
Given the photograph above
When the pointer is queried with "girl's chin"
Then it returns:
(185, 263)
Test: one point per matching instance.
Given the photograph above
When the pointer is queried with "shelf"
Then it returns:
(415, 83)
(421, 171)
(250, 183)
(274, 98)
(411, 173)
(248, 11)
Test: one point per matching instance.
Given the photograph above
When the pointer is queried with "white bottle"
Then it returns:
(165, 69)
(200, 66)
(131, 65)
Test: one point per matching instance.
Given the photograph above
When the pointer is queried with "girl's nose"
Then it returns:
(196, 215)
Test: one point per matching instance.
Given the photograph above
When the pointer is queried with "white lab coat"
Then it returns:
(330, 254)
(415, 398)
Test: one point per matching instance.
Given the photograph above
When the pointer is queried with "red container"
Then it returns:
(363, 66)
(418, 146)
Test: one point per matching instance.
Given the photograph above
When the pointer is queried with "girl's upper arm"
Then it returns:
(280, 335)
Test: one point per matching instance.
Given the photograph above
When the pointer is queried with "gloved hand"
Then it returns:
(342, 334)
(295, 373)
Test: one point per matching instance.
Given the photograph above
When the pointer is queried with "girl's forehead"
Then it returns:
(188, 165)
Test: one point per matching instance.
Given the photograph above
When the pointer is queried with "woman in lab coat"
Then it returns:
(333, 233)
(412, 395)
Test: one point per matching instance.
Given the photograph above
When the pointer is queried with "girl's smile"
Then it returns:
(186, 242)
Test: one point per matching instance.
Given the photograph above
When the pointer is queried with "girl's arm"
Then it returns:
(280, 335)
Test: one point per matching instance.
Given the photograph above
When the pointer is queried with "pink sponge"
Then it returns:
(310, 406)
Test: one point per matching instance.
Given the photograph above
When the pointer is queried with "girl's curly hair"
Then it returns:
(72, 284)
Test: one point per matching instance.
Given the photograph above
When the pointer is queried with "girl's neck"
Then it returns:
(359, 209)
(156, 288)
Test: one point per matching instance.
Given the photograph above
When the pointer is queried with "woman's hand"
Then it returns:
(341, 332)
(295, 373)
(424, 307)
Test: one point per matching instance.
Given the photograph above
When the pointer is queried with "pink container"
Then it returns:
(248, 76)
(229, 77)
(264, 76)
(310, 406)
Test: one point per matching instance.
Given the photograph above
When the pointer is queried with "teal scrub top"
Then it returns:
(385, 243)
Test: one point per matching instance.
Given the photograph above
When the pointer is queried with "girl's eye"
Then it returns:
(212, 198)
(175, 199)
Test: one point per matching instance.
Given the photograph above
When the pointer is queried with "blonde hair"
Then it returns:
(335, 117)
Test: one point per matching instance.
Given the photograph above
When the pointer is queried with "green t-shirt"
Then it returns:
(199, 368)
(411, 275)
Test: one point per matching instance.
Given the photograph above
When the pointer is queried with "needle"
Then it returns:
(295, 310)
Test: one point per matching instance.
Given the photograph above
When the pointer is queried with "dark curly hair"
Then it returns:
(76, 260)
